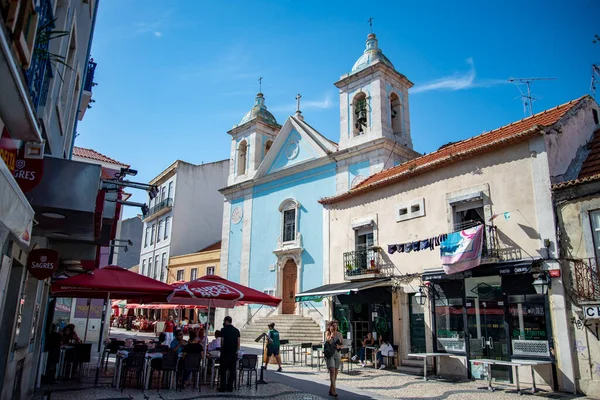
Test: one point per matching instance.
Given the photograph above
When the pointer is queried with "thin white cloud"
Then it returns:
(458, 81)
(321, 104)
(158, 34)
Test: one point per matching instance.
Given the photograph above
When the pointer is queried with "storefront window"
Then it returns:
(449, 319)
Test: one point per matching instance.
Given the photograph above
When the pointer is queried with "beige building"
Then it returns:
(502, 180)
(578, 212)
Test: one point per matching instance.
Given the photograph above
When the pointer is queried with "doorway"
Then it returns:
(417, 325)
(288, 292)
(487, 322)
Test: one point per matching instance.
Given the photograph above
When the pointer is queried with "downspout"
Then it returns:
(87, 64)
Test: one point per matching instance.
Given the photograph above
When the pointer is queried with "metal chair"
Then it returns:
(134, 366)
(391, 355)
(140, 348)
(190, 363)
(317, 348)
(111, 348)
(166, 364)
(82, 355)
(345, 359)
(285, 349)
(305, 350)
(248, 364)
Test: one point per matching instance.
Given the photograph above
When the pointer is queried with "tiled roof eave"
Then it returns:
(575, 182)
(433, 165)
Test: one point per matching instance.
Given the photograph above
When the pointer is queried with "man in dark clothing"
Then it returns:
(230, 344)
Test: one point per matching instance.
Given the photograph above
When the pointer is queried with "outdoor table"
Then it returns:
(61, 360)
(436, 356)
(293, 346)
(516, 364)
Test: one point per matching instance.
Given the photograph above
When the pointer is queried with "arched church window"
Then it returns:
(268, 146)
(289, 220)
(396, 113)
(241, 159)
(360, 113)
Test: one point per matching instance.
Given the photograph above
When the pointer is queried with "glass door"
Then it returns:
(417, 325)
(487, 324)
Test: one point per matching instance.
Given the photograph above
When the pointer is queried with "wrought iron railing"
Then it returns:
(362, 262)
(585, 279)
(490, 237)
(89, 76)
(160, 206)
(39, 72)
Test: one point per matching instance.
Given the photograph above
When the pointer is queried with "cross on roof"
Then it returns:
(260, 84)
(371, 23)
(298, 104)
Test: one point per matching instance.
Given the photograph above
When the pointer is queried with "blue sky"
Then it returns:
(174, 76)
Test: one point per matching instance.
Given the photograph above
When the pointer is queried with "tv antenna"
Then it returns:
(528, 98)
(595, 79)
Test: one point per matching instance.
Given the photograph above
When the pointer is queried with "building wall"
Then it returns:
(201, 261)
(129, 229)
(198, 207)
(577, 243)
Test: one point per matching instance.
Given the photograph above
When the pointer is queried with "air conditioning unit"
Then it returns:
(272, 267)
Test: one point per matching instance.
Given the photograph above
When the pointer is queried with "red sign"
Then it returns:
(8, 150)
(24, 160)
(42, 263)
(28, 172)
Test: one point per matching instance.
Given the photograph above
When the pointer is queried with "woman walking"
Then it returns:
(333, 343)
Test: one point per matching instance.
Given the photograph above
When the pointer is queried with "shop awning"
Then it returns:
(15, 212)
(335, 289)
(501, 268)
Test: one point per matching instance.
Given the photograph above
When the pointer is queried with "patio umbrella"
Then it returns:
(215, 291)
(111, 280)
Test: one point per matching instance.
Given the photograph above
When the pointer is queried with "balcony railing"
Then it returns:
(490, 238)
(89, 77)
(362, 262)
(585, 279)
(166, 203)
(39, 72)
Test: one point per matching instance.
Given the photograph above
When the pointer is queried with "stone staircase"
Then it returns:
(413, 366)
(295, 328)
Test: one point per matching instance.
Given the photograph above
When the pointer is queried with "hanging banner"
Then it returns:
(42, 263)
(462, 250)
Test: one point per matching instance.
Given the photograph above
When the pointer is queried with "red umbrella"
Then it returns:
(215, 291)
(114, 281)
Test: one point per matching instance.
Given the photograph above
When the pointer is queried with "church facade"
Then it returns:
(275, 233)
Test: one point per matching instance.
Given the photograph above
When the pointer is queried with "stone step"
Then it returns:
(410, 370)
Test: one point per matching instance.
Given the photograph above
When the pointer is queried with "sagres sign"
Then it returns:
(42, 263)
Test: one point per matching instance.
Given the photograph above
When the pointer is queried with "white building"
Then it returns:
(185, 216)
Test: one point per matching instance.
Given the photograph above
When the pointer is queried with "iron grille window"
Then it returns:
(289, 225)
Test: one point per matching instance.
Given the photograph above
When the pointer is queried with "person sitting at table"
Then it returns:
(202, 338)
(214, 347)
(69, 335)
(385, 349)
(178, 343)
(367, 341)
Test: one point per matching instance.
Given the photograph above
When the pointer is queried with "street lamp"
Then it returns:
(542, 283)
(421, 296)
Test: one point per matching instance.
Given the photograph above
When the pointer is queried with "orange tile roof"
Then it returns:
(578, 181)
(215, 246)
(591, 165)
(94, 155)
(492, 140)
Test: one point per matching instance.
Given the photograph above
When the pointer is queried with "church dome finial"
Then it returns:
(371, 55)
(259, 112)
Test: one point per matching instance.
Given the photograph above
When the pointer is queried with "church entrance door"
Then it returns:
(288, 293)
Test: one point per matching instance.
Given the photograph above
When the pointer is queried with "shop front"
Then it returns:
(497, 311)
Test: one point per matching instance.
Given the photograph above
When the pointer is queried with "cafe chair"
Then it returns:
(345, 359)
(391, 356)
(134, 367)
(140, 348)
(167, 364)
(82, 356)
(248, 365)
(111, 348)
(305, 351)
(190, 363)
(316, 351)
(285, 349)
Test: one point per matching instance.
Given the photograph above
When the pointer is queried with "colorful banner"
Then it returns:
(462, 250)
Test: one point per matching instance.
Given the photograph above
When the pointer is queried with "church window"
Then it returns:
(268, 146)
(242, 155)
(360, 113)
(396, 114)
(289, 220)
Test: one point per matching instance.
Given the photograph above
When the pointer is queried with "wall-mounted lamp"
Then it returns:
(542, 283)
(421, 295)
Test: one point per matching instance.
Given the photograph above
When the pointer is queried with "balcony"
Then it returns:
(585, 279)
(489, 252)
(86, 96)
(362, 264)
(159, 209)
